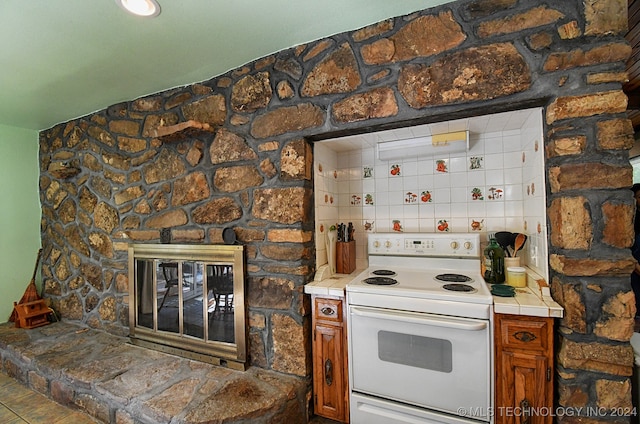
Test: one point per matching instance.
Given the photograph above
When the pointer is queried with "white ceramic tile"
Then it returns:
(513, 160)
(425, 166)
(513, 208)
(427, 210)
(409, 182)
(494, 161)
(459, 210)
(442, 195)
(427, 225)
(442, 210)
(409, 167)
(426, 182)
(458, 194)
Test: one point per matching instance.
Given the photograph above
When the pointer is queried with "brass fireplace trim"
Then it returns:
(233, 355)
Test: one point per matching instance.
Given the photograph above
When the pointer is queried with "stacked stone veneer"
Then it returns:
(237, 156)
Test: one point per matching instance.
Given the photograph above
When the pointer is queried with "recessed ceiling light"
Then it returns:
(146, 8)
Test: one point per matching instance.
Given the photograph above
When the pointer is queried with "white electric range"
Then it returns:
(420, 331)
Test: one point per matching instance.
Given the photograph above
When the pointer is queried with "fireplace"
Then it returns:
(189, 300)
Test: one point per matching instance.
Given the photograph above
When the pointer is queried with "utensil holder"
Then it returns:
(513, 261)
(345, 257)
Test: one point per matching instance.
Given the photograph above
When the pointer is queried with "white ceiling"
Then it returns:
(61, 59)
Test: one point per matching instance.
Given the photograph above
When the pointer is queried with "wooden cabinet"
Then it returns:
(330, 376)
(523, 369)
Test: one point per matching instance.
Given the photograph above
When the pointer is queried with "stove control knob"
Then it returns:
(376, 244)
(454, 245)
(467, 245)
(387, 244)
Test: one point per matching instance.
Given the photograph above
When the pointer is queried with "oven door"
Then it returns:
(432, 361)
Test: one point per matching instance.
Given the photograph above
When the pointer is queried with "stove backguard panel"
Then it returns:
(189, 300)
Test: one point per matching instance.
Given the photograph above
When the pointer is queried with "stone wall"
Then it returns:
(234, 151)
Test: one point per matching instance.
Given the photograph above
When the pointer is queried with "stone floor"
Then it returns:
(115, 382)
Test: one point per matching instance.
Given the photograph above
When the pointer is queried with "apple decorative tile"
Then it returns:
(367, 172)
(475, 162)
(355, 200)
(495, 193)
(410, 198)
(395, 170)
(397, 226)
(442, 166)
(443, 226)
(331, 199)
(476, 194)
(425, 197)
(476, 225)
(326, 198)
(368, 226)
(368, 199)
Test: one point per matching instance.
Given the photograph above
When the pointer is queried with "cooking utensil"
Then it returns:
(505, 239)
(519, 242)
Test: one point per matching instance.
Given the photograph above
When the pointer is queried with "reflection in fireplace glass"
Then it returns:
(184, 294)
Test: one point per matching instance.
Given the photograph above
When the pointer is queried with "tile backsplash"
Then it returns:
(497, 185)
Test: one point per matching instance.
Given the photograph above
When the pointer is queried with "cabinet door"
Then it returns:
(522, 389)
(328, 372)
(524, 363)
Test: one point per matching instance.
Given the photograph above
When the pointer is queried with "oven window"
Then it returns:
(415, 351)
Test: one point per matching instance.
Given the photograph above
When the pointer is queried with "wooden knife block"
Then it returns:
(345, 257)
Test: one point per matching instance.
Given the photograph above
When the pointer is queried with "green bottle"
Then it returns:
(493, 263)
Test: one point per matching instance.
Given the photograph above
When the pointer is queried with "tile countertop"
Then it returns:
(333, 286)
(533, 300)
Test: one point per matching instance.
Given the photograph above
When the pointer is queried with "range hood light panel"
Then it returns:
(438, 144)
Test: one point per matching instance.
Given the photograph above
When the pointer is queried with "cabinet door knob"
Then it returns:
(327, 311)
(328, 372)
(525, 336)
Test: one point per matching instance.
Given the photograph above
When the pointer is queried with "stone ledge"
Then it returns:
(112, 380)
(182, 131)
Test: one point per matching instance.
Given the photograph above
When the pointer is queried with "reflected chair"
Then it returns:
(170, 274)
(220, 282)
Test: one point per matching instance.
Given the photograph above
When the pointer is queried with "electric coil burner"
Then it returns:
(453, 278)
(380, 281)
(421, 317)
(383, 272)
(459, 287)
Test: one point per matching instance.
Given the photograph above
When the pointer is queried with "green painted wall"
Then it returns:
(19, 214)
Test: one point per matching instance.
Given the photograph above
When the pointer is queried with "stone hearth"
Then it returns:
(116, 382)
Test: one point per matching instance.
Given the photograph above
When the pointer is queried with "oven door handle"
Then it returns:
(419, 318)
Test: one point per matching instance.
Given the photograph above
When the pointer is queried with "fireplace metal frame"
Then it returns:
(233, 355)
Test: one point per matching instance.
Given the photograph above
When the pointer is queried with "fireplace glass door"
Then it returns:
(189, 302)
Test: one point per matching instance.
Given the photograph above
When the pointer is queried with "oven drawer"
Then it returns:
(328, 309)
